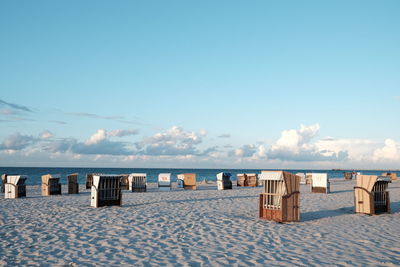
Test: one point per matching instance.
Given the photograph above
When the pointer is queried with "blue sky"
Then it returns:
(265, 84)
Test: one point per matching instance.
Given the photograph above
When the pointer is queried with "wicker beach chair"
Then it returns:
(3, 181)
(392, 175)
(14, 186)
(125, 181)
(241, 178)
(302, 176)
(73, 186)
(371, 195)
(137, 182)
(106, 190)
(51, 185)
(224, 181)
(280, 199)
(187, 181)
(320, 183)
(164, 182)
(348, 175)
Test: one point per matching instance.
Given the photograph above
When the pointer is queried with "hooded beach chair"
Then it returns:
(392, 175)
(137, 182)
(106, 190)
(73, 186)
(302, 177)
(89, 180)
(51, 185)
(3, 181)
(247, 179)
(164, 182)
(241, 178)
(125, 181)
(320, 183)
(187, 181)
(224, 181)
(308, 178)
(280, 199)
(371, 195)
(348, 175)
(14, 186)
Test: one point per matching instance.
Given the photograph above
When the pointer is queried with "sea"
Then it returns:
(34, 173)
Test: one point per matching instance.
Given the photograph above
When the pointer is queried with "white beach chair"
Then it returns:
(15, 186)
(137, 182)
(320, 183)
(164, 182)
(106, 190)
(180, 178)
(224, 181)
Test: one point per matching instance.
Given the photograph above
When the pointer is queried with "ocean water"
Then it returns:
(34, 174)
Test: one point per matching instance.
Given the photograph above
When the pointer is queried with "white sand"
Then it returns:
(196, 228)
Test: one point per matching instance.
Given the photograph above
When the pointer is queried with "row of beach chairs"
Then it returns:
(279, 200)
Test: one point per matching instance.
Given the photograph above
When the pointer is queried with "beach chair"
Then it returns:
(125, 181)
(251, 179)
(241, 178)
(320, 183)
(3, 182)
(280, 199)
(15, 187)
(302, 177)
(137, 182)
(106, 190)
(73, 186)
(51, 185)
(187, 181)
(371, 195)
(348, 175)
(89, 180)
(164, 182)
(392, 175)
(224, 181)
(308, 178)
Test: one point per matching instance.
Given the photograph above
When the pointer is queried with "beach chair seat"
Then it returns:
(280, 199)
(106, 190)
(371, 194)
(137, 182)
(224, 181)
(51, 185)
(73, 186)
(15, 186)
(164, 182)
(320, 183)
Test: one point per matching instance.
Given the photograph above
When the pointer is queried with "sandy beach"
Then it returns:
(205, 227)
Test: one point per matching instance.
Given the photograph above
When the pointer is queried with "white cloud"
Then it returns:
(122, 133)
(17, 141)
(46, 135)
(224, 136)
(296, 145)
(174, 141)
(389, 152)
(97, 137)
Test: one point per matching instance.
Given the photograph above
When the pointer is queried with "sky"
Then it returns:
(200, 84)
